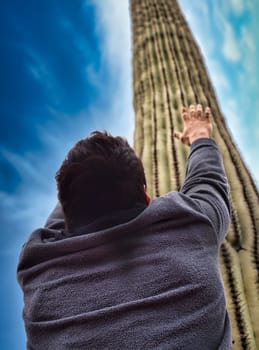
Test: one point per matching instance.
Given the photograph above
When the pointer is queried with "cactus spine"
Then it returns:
(168, 72)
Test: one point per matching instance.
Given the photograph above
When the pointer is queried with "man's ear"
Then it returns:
(147, 198)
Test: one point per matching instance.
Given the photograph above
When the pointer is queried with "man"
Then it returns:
(112, 269)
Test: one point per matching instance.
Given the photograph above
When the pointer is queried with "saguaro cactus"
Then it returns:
(168, 72)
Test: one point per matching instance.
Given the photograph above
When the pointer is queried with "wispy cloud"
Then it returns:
(247, 39)
(220, 81)
(21, 164)
(113, 27)
(38, 68)
(238, 6)
(230, 47)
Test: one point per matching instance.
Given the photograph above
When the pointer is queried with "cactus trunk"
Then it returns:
(169, 72)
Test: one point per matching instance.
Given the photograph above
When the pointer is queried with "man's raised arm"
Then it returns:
(205, 181)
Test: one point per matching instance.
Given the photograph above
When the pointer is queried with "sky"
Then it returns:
(65, 70)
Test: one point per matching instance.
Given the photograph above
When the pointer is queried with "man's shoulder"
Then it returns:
(174, 206)
(175, 201)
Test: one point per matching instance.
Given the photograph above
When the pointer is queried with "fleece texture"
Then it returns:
(147, 278)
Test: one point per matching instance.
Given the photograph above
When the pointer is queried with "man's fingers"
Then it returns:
(207, 112)
(185, 114)
(195, 112)
(178, 135)
(199, 111)
(192, 111)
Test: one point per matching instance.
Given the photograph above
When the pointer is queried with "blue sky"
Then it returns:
(65, 69)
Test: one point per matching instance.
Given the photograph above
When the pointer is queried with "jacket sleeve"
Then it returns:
(207, 184)
(56, 218)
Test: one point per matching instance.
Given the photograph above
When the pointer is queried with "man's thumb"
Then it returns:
(178, 135)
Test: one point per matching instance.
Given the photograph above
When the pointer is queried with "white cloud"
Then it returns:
(113, 27)
(34, 194)
(247, 40)
(93, 77)
(232, 7)
(237, 6)
(250, 42)
(217, 75)
(22, 165)
(250, 55)
(29, 208)
(231, 48)
(8, 200)
(40, 70)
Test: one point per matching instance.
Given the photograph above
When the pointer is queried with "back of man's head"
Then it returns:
(101, 174)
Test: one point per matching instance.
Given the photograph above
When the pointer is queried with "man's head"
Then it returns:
(100, 174)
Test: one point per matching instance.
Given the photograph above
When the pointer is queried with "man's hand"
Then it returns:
(197, 125)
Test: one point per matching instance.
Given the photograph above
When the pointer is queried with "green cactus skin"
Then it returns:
(169, 72)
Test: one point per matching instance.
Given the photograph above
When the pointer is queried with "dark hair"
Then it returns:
(100, 174)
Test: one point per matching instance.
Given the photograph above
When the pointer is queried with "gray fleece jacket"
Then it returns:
(148, 278)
